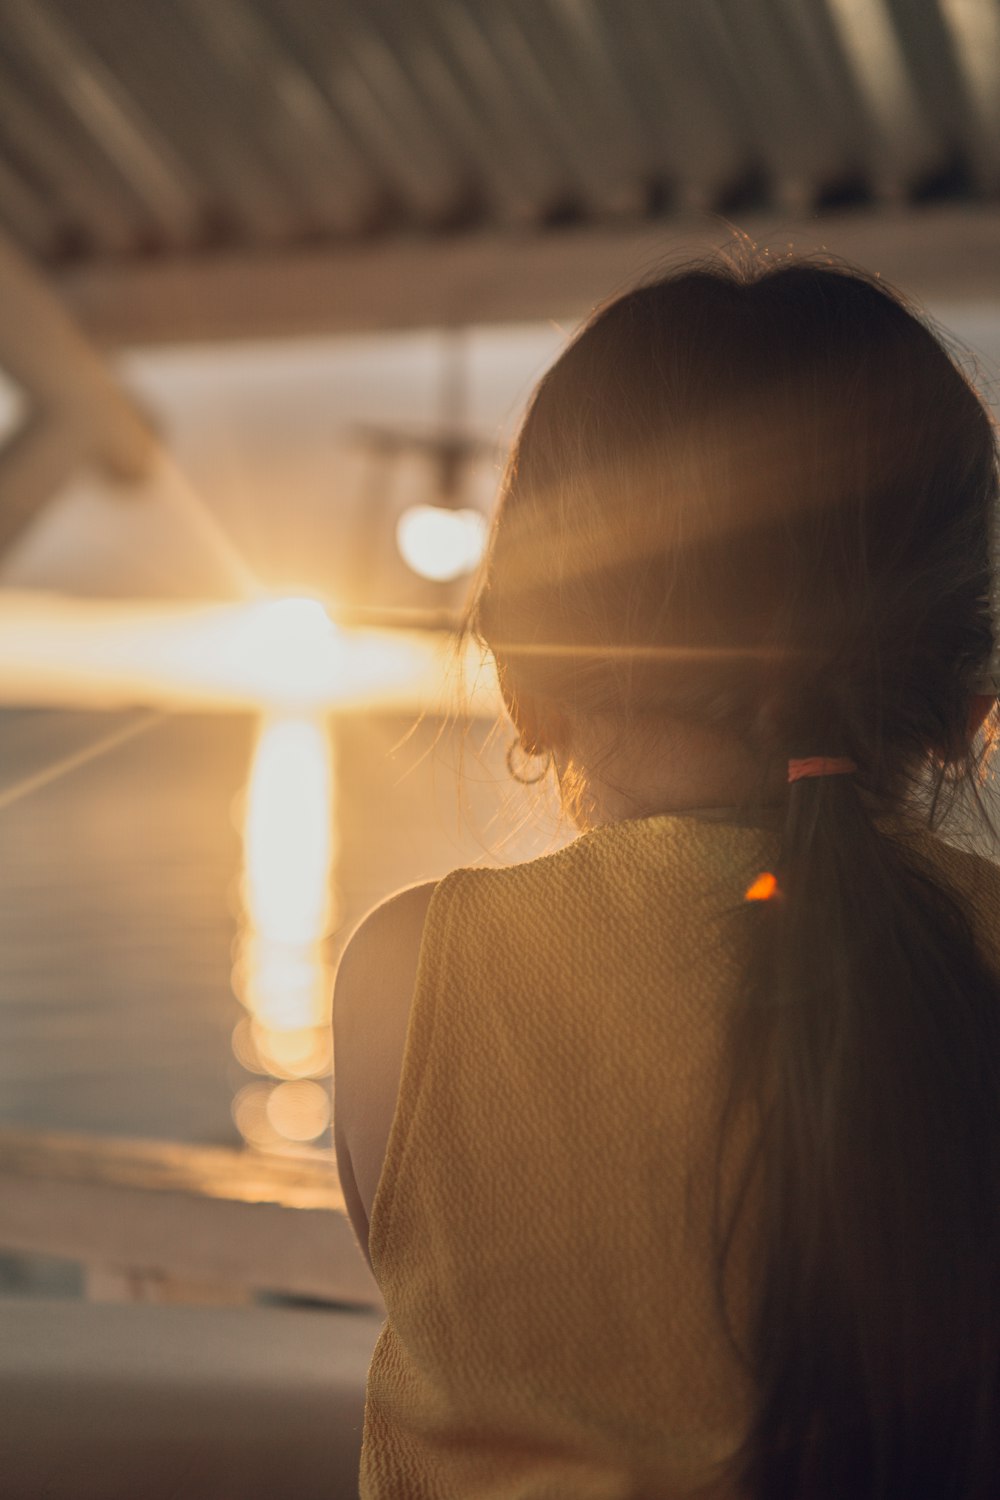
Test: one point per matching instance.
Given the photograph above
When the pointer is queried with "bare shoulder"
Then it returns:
(371, 1008)
(384, 948)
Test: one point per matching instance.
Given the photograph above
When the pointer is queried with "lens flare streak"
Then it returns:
(69, 763)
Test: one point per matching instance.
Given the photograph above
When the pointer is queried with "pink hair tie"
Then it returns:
(820, 765)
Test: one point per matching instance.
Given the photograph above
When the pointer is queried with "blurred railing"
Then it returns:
(155, 1221)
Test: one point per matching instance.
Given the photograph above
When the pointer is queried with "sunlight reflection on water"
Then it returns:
(282, 973)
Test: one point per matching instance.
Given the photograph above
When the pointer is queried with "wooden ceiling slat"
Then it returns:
(501, 183)
(794, 139)
(528, 73)
(185, 128)
(830, 89)
(975, 32)
(527, 154)
(953, 54)
(412, 165)
(161, 56)
(105, 110)
(86, 200)
(689, 128)
(571, 38)
(286, 117)
(29, 216)
(904, 146)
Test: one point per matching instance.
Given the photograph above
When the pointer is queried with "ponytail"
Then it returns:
(876, 1025)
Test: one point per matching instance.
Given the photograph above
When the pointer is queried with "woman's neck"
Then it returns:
(678, 768)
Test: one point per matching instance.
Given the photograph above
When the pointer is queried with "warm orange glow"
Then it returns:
(299, 1111)
(287, 833)
(286, 659)
(281, 973)
(763, 888)
(302, 1052)
(250, 1116)
(266, 653)
(289, 646)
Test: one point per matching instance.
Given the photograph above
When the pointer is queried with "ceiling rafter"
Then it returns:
(207, 127)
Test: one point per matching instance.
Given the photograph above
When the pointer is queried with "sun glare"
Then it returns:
(289, 647)
(282, 974)
(266, 654)
(295, 621)
(287, 835)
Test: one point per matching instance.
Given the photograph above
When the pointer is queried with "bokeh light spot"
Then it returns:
(441, 544)
(299, 1111)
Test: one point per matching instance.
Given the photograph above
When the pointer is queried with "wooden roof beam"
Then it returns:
(76, 411)
(943, 253)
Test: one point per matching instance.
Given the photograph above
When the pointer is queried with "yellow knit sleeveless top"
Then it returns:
(542, 1227)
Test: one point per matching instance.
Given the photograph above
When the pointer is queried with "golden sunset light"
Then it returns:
(282, 972)
(269, 652)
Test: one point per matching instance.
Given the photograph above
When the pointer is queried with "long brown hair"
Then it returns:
(758, 497)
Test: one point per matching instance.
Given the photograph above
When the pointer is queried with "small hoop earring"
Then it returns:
(517, 772)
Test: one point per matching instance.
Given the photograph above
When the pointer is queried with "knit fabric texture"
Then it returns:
(542, 1231)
